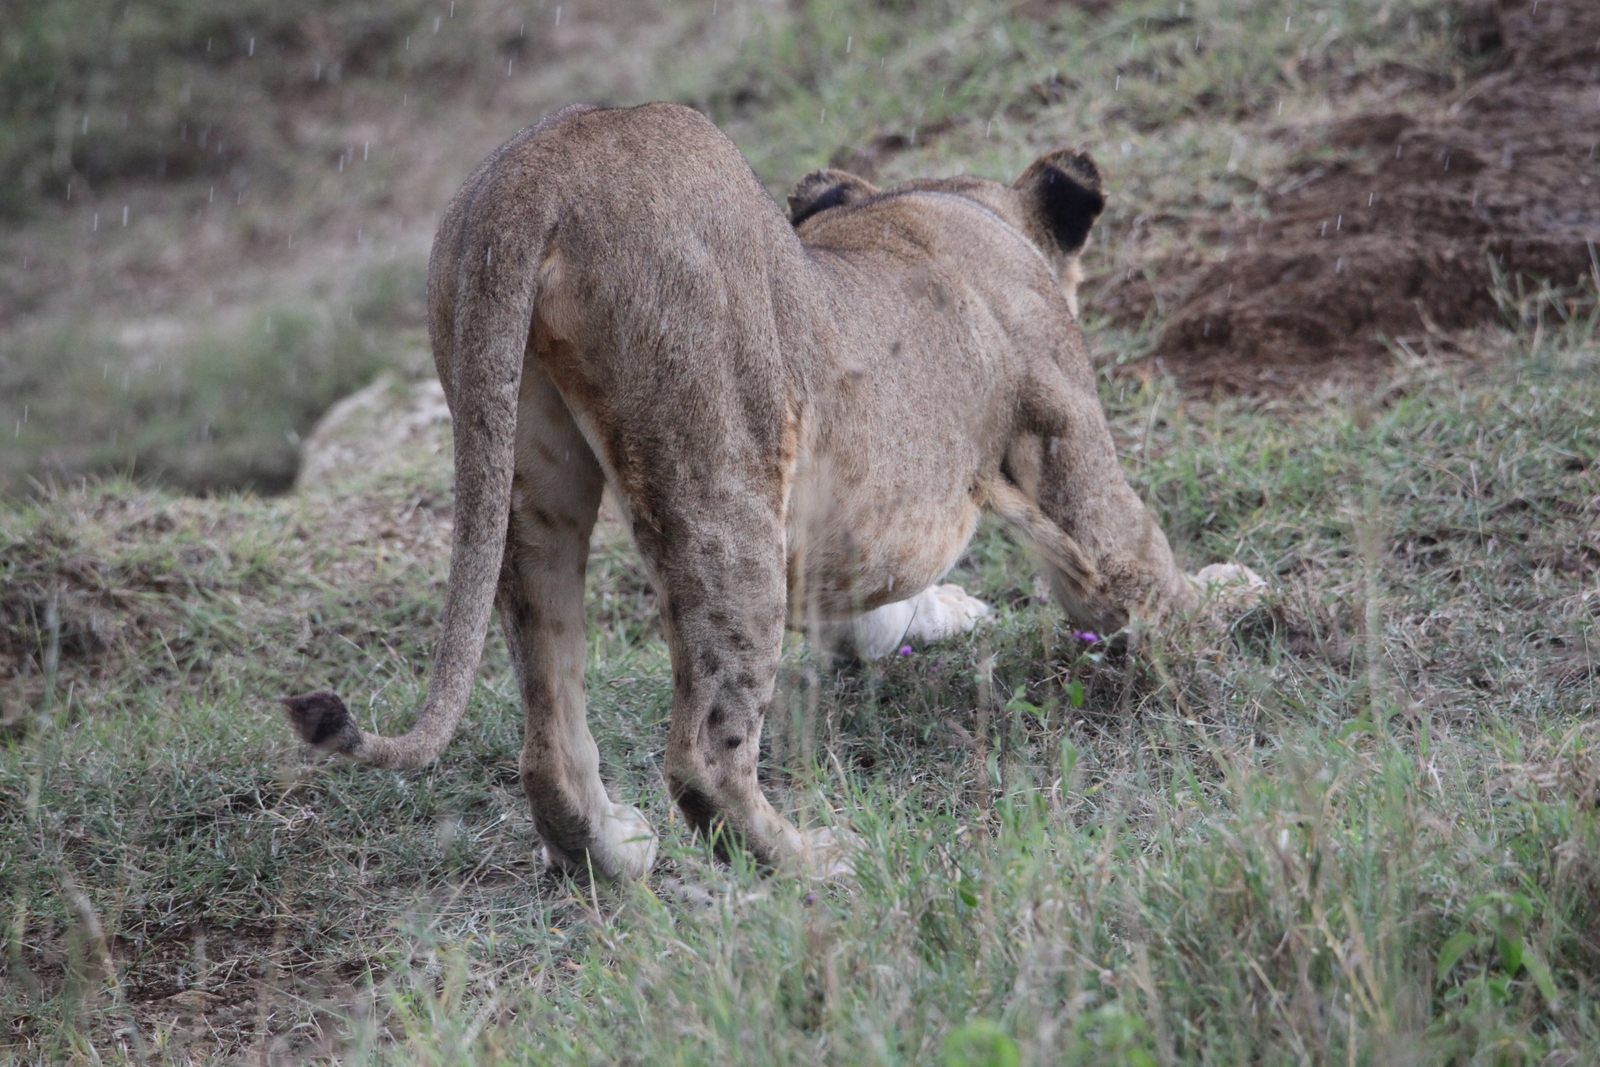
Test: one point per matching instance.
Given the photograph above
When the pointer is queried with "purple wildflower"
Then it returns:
(1086, 636)
(905, 650)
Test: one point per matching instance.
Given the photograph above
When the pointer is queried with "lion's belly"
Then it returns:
(912, 422)
(862, 545)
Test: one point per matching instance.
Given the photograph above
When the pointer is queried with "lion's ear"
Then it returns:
(1062, 196)
(822, 189)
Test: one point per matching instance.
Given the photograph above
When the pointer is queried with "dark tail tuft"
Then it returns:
(321, 719)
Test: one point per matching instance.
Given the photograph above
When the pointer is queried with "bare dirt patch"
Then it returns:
(1397, 228)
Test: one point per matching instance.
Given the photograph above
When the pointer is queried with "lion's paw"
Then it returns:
(632, 841)
(943, 611)
(1229, 587)
(627, 853)
(936, 613)
(824, 855)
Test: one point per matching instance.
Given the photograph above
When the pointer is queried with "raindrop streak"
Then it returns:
(94, 227)
(252, 46)
(1280, 108)
(1286, 23)
(124, 214)
(366, 147)
(1339, 224)
(1369, 198)
(848, 41)
(212, 198)
(558, 14)
(1118, 88)
(989, 129)
(85, 124)
(823, 121)
(508, 70)
(713, 8)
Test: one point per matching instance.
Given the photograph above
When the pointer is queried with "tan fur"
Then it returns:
(802, 422)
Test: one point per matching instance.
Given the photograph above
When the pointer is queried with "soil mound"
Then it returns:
(1401, 225)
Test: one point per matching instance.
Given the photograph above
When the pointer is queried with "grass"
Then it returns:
(1170, 97)
(214, 218)
(219, 404)
(98, 92)
(1360, 826)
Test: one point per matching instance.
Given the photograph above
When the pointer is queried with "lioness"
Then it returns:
(802, 420)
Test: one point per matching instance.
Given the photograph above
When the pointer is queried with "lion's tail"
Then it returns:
(493, 310)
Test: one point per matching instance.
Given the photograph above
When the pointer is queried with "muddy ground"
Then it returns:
(1395, 230)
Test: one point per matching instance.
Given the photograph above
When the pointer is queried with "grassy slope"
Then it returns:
(187, 328)
(1361, 828)
(1383, 769)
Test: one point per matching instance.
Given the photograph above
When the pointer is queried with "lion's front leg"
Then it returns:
(1082, 490)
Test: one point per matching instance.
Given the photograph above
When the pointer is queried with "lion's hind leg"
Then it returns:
(555, 499)
(714, 546)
